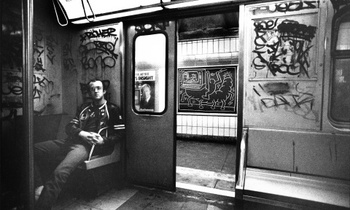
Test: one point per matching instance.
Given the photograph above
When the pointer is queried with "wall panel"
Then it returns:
(207, 125)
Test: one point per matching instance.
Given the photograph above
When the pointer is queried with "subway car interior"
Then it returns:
(226, 104)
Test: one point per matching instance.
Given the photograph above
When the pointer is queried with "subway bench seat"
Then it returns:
(98, 172)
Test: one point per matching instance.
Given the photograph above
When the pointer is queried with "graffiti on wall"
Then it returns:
(98, 33)
(210, 89)
(38, 50)
(148, 28)
(68, 60)
(290, 6)
(45, 59)
(42, 85)
(287, 96)
(11, 66)
(282, 48)
(282, 83)
(51, 44)
(45, 51)
(12, 89)
(295, 6)
(98, 49)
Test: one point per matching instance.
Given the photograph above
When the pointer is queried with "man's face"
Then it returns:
(147, 92)
(96, 90)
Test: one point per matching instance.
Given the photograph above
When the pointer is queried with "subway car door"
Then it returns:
(150, 104)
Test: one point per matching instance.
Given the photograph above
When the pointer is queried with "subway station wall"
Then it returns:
(214, 61)
(207, 125)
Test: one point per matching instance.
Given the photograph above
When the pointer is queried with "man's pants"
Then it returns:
(61, 158)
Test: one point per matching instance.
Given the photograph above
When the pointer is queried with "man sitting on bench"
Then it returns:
(93, 129)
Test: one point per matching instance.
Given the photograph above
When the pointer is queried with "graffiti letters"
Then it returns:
(12, 89)
(98, 53)
(51, 42)
(38, 50)
(144, 28)
(285, 95)
(295, 6)
(282, 48)
(291, 6)
(68, 61)
(41, 83)
(14, 84)
(100, 33)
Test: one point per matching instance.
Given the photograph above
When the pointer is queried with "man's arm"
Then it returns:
(73, 130)
(73, 127)
(116, 126)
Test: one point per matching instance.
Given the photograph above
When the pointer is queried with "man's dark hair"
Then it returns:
(105, 83)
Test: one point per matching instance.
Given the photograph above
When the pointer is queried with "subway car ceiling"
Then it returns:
(78, 13)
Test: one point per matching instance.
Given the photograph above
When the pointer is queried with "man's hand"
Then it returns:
(91, 137)
(97, 138)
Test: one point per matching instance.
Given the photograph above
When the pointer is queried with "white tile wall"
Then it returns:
(208, 46)
(210, 125)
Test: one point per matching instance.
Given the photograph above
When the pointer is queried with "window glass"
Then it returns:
(340, 104)
(340, 85)
(150, 77)
(343, 42)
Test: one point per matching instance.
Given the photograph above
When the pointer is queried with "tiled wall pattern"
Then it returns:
(207, 125)
(209, 46)
(207, 52)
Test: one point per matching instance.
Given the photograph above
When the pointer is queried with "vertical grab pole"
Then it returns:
(240, 101)
(242, 165)
(28, 107)
(242, 161)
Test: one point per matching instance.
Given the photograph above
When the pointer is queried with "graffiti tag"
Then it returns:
(106, 57)
(38, 50)
(284, 95)
(282, 48)
(100, 33)
(50, 46)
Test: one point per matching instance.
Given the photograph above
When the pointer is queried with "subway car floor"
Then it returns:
(139, 198)
(203, 164)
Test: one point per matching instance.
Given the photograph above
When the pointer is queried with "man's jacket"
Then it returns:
(105, 120)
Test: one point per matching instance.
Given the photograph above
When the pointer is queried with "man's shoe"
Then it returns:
(38, 191)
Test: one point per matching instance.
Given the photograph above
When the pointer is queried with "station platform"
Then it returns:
(206, 167)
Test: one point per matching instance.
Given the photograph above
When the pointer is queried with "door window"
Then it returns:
(150, 73)
(340, 83)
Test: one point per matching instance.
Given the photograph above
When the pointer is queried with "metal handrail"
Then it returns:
(242, 162)
(63, 13)
(86, 16)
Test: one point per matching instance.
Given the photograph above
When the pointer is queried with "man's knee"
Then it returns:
(80, 151)
(61, 174)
